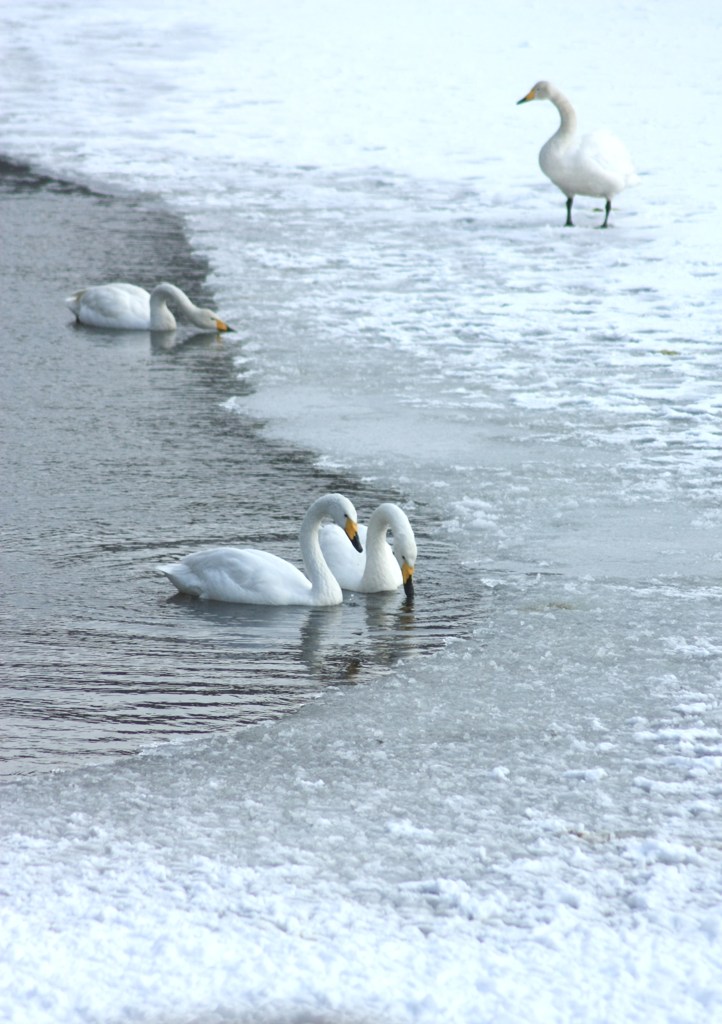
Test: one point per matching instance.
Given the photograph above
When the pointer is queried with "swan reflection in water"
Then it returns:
(367, 633)
(294, 646)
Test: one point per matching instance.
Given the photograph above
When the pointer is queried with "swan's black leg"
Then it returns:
(569, 223)
(607, 211)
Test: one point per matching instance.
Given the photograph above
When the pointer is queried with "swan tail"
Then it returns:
(179, 577)
(73, 301)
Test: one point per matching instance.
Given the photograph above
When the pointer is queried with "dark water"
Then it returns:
(118, 454)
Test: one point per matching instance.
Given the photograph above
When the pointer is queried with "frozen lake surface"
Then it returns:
(523, 824)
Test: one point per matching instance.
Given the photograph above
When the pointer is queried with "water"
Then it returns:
(121, 455)
(525, 822)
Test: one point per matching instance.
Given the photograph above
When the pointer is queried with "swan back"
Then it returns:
(239, 575)
(116, 305)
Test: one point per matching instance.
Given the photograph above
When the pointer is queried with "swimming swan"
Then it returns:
(250, 576)
(127, 307)
(593, 165)
(381, 566)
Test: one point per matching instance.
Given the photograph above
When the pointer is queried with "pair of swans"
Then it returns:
(381, 566)
(597, 164)
(251, 576)
(126, 307)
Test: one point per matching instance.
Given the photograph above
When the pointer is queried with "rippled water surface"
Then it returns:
(119, 453)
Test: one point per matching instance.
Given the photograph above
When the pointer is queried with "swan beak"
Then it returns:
(407, 575)
(531, 95)
(221, 326)
(352, 533)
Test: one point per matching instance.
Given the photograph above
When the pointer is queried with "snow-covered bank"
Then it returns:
(405, 865)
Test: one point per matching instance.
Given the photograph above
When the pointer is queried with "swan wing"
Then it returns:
(116, 305)
(606, 157)
(240, 575)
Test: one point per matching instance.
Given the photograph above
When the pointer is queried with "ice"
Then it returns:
(524, 826)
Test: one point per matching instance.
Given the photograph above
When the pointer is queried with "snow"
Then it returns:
(526, 825)
(315, 874)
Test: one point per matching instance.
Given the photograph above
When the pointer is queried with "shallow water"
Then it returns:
(118, 455)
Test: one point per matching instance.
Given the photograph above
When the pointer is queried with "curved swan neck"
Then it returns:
(317, 570)
(567, 113)
(161, 318)
(385, 517)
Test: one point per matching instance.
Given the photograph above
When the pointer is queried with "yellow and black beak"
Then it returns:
(221, 326)
(352, 533)
(531, 95)
(407, 575)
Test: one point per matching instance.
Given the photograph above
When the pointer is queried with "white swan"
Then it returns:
(597, 164)
(127, 307)
(250, 576)
(381, 566)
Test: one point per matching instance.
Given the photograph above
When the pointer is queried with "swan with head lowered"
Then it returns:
(597, 164)
(127, 307)
(381, 566)
(250, 576)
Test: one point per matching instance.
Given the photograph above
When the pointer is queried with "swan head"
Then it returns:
(200, 317)
(404, 546)
(350, 528)
(541, 91)
(207, 320)
(339, 509)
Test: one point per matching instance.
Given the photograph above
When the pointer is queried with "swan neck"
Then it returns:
(317, 569)
(161, 318)
(567, 115)
(380, 521)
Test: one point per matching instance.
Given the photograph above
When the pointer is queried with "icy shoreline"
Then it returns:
(308, 886)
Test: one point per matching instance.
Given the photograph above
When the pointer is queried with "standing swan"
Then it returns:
(250, 576)
(381, 566)
(593, 165)
(127, 307)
